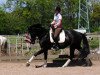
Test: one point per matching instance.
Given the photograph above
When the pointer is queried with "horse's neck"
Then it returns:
(40, 36)
(41, 33)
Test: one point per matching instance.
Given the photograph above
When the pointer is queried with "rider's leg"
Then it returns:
(56, 34)
(57, 31)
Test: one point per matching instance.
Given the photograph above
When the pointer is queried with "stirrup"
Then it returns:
(55, 47)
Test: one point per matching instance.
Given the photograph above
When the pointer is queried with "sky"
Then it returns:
(2, 2)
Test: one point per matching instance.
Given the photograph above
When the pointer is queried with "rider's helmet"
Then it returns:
(58, 9)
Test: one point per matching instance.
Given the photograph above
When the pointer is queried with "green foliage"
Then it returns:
(95, 18)
(23, 13)
(94, 43)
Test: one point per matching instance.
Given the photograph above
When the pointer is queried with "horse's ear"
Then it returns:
(34, 26)
(37, 25)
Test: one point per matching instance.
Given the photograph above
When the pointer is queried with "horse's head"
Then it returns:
(36, 31)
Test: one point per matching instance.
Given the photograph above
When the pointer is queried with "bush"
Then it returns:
(94, 43)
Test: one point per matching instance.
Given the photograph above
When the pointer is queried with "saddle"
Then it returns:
(61, 36)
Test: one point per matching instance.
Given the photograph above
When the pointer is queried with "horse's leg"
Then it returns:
(72, 52)
(45, 59)
(84, 57)
(71, 57)
(34, 55)
(88, 61)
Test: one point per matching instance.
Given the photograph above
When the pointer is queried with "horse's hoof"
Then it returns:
(87, 65)
(36, 66)
(84, 65)
(27, 65)
(44, 66)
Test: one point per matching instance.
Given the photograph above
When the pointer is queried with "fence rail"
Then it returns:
(18, 48)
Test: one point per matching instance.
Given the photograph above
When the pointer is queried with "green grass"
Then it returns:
(14, 38)
(94, 43)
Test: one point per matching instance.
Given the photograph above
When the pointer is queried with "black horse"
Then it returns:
(73, 40)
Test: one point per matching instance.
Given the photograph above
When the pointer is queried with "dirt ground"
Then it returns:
(19, 68)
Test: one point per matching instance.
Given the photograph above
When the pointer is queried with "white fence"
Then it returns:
(15, 43)
(18, 48)
(18, 41)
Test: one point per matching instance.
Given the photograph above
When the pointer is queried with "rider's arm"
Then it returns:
(58, 23)
(53, 22)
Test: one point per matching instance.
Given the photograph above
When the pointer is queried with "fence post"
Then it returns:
(99, 45)
(0, 50)
(22, 45)
(17, 38)
(9, 46)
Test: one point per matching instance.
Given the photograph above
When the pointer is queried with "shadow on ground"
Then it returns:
(60, 61)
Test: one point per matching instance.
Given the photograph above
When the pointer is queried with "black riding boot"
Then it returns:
(55, 46)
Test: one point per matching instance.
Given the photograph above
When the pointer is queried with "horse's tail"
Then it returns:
(85, 49)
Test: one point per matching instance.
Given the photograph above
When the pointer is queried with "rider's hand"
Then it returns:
(55, 26)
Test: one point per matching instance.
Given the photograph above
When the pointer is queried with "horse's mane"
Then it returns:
(37, 28)
(36, 25)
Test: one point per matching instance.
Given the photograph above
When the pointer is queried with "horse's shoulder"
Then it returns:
(69, 31)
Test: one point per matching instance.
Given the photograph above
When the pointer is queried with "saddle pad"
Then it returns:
(61, 36)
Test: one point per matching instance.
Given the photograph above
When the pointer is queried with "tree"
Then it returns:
(70, 10)
(95, 18)
(20, 14)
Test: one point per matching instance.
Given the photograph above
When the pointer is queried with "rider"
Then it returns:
(56, 25)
